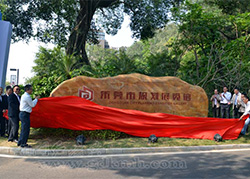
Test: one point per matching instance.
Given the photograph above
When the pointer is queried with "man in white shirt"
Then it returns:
(247, 112)
(225, 103)
(236, 102)
(26, 106)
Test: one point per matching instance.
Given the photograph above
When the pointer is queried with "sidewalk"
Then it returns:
(110, 151)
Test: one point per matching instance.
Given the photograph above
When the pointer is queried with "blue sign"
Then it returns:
(5, 39)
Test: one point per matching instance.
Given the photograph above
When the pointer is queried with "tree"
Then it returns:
(153, 56)
(232, 7)
(78, 36)
(215, 47)
(70, 23)
(53, 66)
(2, 7)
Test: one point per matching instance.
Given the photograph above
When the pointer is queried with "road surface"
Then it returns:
(214, 164)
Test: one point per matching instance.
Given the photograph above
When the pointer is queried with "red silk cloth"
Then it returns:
(5, 115)
(76, 113)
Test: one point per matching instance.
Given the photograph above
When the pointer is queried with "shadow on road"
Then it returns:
(208, 165)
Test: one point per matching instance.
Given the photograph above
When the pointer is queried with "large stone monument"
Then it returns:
(139, 92)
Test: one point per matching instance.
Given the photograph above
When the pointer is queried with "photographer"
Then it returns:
(216, 103)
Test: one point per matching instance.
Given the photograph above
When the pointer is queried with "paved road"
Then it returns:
(222, 164)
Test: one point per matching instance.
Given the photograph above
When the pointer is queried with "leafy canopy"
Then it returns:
(53, 20)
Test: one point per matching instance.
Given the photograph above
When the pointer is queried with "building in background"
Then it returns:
(13, 80)
(102, 42)
(115, 48)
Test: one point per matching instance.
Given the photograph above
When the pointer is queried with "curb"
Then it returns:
(104, 151)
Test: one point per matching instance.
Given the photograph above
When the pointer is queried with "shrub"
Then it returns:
(66, 133)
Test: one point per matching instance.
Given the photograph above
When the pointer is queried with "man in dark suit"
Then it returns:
(2, 110)
(8, 92)
(13, 113)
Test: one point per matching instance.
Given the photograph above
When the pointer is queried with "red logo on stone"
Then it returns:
(86, 93)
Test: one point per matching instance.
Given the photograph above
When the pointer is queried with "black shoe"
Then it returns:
(241, 135)
(10, 140)
(25, 146)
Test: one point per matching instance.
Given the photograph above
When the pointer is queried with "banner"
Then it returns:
(5, 39)
(76, 113)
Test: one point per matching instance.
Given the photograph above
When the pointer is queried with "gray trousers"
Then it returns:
(216, 112)
(225, 111)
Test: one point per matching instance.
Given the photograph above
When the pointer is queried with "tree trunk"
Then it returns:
(78, 37)
(197, 64)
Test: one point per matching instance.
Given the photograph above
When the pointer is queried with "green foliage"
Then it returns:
(162, 64)
(91, 135)
(3, 8)
(231, 6)
(21, 89)
(48, 21)
(52, 67)
(71, 23)
(215, 47)
(157, 44)
(148, 15)
(154, 57)
(108, 63)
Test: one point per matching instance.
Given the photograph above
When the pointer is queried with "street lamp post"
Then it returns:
(17, 71)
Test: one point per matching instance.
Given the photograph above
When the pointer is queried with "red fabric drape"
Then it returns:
(79, 114)
(6, 114)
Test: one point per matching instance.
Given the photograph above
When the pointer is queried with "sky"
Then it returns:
(22, 55)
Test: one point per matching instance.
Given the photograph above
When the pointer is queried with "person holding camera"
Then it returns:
(237, 104)
(215, 99)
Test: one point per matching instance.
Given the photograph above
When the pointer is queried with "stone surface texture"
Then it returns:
(139, 92)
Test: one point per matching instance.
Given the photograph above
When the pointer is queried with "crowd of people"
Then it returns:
(222, 103)
(18, 109)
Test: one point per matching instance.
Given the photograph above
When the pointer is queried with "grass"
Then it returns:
(43, 140)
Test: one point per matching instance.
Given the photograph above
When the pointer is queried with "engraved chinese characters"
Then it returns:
(135, 91)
